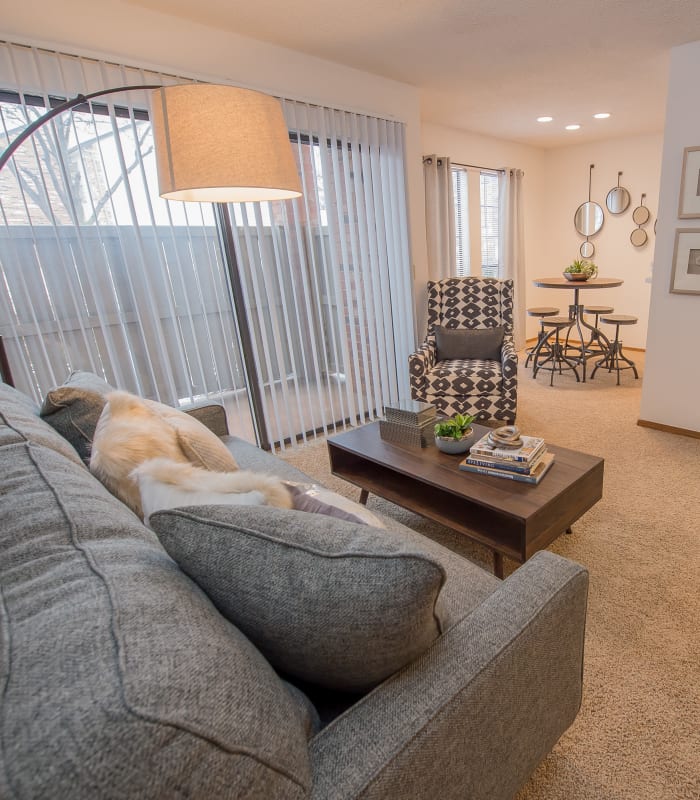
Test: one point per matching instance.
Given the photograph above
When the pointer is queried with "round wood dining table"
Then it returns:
(576, 308)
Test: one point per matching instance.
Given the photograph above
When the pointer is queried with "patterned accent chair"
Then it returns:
(487, 389)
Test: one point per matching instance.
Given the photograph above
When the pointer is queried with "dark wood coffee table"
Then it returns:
(513, 519)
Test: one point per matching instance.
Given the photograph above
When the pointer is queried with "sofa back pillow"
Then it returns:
(73, 409)
(331, 602)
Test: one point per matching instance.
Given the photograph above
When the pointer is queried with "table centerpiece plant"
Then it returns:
(580, 270)
(453, 435)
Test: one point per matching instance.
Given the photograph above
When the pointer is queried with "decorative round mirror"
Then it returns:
(641, 214)
(587, 249)
(638, 237)
(588, 219)
(618, 198)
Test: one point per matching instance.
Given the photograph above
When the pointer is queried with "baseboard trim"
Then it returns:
(644, 423)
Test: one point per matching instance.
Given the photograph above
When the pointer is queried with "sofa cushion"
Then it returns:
(74, 408)
(120, 677)
(328, 601)
(467, 343)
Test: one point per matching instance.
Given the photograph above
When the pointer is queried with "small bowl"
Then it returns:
(575, 276)
(453, 446)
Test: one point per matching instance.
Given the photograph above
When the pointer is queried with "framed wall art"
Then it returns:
(689, 201)
(685, 269)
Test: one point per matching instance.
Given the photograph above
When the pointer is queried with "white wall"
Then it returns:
(566, 187)
(671, 391)
(483, 151)
(126, 33)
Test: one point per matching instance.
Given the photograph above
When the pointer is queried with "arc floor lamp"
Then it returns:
(213, 144)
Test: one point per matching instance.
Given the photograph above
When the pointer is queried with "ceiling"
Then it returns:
(489, 66)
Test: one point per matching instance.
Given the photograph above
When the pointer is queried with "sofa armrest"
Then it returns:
(474, 715)
(419, 364)
(212, 415)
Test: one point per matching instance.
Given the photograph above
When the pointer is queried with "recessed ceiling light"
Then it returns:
(602, 115)
(572, 127)
(545, 119)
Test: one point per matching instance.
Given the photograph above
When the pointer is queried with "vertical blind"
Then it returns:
(97, 272)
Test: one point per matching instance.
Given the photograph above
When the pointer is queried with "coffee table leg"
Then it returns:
(569, 531)
(498, 564)
(364, 494)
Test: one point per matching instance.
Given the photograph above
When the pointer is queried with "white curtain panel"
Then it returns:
(512, 245)
(439, 217)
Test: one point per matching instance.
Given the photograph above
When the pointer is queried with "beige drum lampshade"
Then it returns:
(222, 144)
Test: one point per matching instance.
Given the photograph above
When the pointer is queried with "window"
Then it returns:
(490, 263)
(477, 228)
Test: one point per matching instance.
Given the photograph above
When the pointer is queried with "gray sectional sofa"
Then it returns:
(124, 676)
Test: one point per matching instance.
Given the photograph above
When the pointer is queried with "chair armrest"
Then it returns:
(212, 415)
(509, 357)
(473, 716)
(419, 364)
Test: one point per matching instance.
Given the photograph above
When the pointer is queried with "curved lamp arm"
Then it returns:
(54, 112)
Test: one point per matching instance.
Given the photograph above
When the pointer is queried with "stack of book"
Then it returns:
(527, 463)
(408, 422)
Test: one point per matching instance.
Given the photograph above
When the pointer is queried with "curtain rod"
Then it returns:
(477, 166)
(469, 166)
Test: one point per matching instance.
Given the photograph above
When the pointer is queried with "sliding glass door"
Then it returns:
(307, 325)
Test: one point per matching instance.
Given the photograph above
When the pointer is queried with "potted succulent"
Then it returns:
(580, 271)
(453, 435)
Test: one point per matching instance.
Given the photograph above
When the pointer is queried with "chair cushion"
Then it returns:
(74, 408)
(469, 343)
(120, 677)
(325, 600)
(459, 377)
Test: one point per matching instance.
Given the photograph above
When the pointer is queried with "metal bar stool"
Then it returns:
(595, 346)
(614, 356)
(556, 358)
(541, 312)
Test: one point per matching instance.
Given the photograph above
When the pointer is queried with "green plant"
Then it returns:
(587, 268)
(455, 427)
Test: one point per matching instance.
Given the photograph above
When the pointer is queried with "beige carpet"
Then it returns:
(637, 735)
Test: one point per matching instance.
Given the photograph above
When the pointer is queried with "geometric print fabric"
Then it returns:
(484, 388)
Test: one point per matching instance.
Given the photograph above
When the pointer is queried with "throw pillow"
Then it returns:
(74, 408)
(327, 601)
(131, 430)
(467, 343)
(316, 499)
(164, 483)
